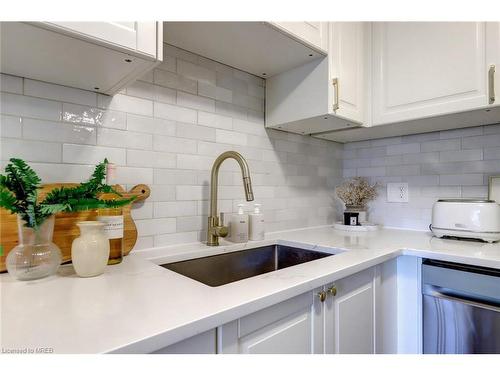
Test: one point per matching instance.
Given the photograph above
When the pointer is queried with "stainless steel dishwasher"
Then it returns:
(461, 308)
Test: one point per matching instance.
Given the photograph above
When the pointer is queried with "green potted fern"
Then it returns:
(36, 256)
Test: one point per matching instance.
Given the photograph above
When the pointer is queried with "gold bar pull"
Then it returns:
(491, 84)
(335, 83)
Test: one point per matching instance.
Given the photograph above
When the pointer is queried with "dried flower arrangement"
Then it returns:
(356, 192)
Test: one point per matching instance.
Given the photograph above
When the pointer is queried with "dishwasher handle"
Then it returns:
(447, 294)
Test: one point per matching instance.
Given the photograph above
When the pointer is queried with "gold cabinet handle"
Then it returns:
(335, 83)
(322, 296)
(491, 84)
(332, 290)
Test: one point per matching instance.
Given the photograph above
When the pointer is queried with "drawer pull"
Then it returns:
(335, 83)
(491, 84)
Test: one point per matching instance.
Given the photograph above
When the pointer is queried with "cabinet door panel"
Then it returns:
(346, 54)
(423, 69)
(293, 326)
(350, 315)
(291, 335)
(354, 322)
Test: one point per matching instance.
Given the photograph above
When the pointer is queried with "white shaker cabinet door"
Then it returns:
(137, 36)
(285, 328)
(425, 69)
(346, 57)
(350, 315)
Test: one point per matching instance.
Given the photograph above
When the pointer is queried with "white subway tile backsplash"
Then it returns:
(132, 175)
(93, 116)
(446, 164)
(483, 141)
(150, 125)
(196, 72)
(196, 102)
(461, 179)
(173, 144)
(52, 173)
(80, 154)
(11, 84)
(56, 92)
(215, 121)
(10, 126)
(30, 150)
(174, 81)
(407, 148)
(462, 155)
(443, 145)
(230, 137)
(175, 209)
(121, 138)
(139, 158)
(126, 103)
(189, 193)
(26, 106)
(175, 177)
(172, 112)
(149, 227)
(50, 131)
(166, 130)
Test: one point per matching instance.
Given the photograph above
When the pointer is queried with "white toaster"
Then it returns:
(466, 218)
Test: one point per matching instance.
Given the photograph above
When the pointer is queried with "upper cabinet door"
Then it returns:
(136, 36)
(493, 62)
(424, 69)
(346, 59)
(313, 33)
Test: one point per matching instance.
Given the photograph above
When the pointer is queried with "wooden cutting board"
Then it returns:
(65, 228)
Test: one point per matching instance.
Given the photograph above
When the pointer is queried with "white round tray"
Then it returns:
(364, 227)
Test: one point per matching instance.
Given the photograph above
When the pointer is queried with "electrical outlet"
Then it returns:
(397, 192)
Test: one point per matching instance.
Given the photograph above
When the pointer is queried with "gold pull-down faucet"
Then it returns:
(216, 226)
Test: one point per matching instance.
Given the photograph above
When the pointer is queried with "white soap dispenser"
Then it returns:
(239, 226)
(256, 221)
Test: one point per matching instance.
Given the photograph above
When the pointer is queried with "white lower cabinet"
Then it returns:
(338, 318)
(353, 315)
(289, 327)
(350, 314)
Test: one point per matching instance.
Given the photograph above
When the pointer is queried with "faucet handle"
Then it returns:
(221, 219)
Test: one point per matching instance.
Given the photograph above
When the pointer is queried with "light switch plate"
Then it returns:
(397, 192)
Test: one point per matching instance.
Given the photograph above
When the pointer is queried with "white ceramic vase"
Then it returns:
(90, 251)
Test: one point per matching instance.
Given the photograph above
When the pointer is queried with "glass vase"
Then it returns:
(36, 256)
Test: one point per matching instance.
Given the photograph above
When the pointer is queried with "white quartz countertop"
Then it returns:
(138, 306)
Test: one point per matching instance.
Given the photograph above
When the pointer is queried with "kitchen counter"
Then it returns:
(138, 306)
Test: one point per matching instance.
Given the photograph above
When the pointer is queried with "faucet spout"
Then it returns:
(216, 228)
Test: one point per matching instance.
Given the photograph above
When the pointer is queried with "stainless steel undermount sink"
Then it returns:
(226, 268)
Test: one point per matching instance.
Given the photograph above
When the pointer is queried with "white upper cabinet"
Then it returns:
(136, 36)
(347, 63)
(260, 48)
(97, 56)
(424, 69)
(313, 33)
(325, 94)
